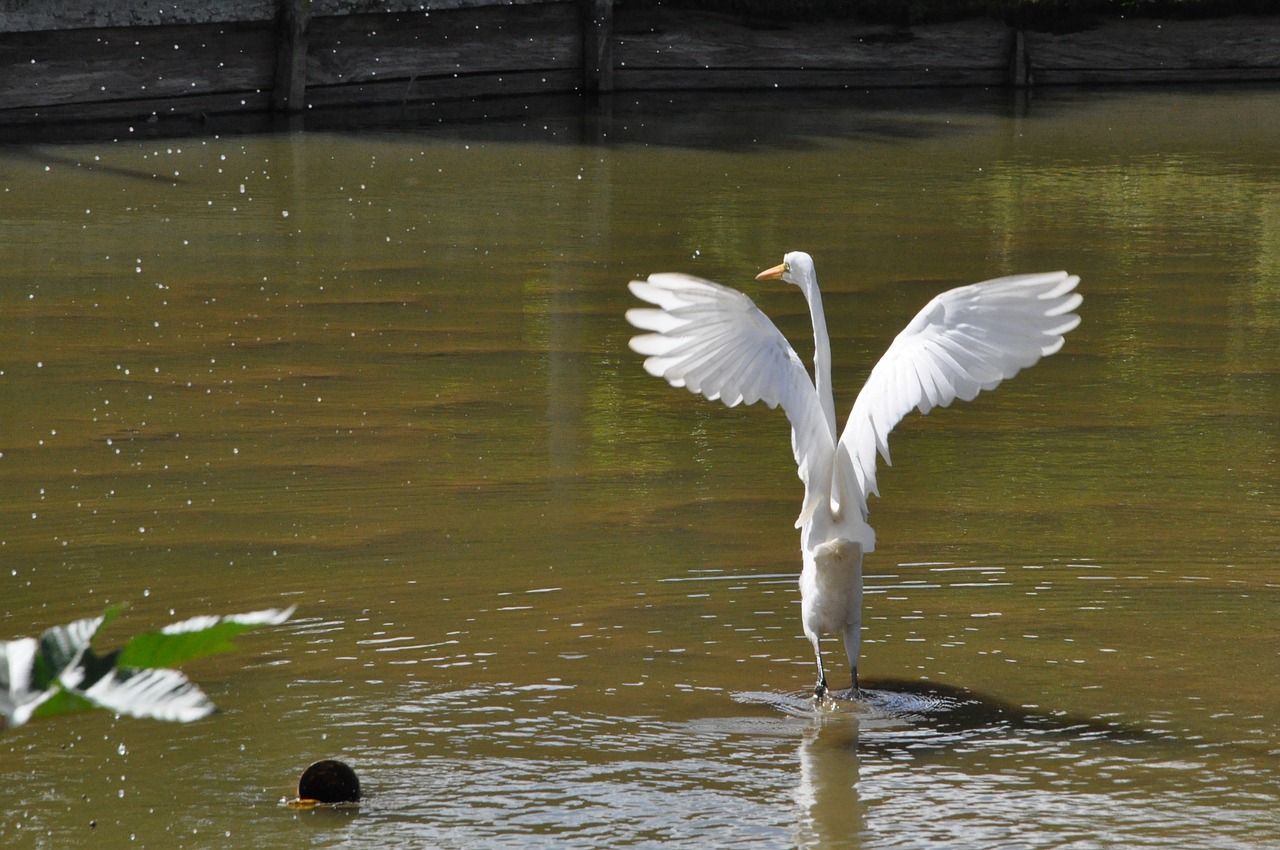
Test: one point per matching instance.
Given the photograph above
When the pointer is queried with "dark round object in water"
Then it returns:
(329, 781)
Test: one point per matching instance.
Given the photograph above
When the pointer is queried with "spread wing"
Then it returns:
(964, 341)
(714, 341)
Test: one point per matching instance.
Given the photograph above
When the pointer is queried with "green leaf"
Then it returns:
(62, 702)
(66, 694)
(194, 638)
(62, 646)
(60, 673)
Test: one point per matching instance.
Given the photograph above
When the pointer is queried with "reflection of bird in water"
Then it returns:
(714, 341)
(830, 809)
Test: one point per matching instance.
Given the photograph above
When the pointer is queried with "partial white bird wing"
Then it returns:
(714, 341)
(964, 341)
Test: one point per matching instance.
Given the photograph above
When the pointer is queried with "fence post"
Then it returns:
(597, 46)
(1020, 61)
(293, 19)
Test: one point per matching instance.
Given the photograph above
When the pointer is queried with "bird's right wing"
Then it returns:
(714, 341)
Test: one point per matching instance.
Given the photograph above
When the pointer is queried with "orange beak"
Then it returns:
(774, 273)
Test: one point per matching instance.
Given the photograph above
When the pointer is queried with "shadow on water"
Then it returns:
(950, 712)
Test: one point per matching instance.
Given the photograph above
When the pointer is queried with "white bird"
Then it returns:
(714, 341)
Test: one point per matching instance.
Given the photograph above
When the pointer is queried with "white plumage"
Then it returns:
(714, 341)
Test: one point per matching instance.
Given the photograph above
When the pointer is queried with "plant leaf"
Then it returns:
(57, 701)
(61, 647)
(60, 673)
(194, 638)
(158, 694)
(18, 700)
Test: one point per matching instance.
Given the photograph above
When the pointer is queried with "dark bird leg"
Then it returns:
(819, 690)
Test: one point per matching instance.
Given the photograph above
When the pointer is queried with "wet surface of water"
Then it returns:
(546, 600)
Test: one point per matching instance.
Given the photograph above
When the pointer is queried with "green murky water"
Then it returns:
(546, 600)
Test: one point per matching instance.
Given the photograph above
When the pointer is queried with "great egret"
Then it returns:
(713, 340)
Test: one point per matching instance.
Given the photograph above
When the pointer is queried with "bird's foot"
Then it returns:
(820, 690)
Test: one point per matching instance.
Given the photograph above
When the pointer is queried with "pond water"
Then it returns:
(545, 600)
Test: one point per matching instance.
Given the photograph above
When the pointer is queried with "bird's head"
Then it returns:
(796, 268)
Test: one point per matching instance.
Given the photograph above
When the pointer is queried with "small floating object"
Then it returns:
(327, 782)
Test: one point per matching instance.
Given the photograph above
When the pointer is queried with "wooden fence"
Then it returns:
(87, 59)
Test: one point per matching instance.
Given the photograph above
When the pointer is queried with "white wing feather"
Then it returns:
(714, 341)
(964, 341)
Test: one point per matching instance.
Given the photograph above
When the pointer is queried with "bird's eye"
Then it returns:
(786, 267)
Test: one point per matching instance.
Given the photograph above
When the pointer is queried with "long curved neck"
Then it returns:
(821, 352)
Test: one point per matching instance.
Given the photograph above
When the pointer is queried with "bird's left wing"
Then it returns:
(964, 341)
(714, 341)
